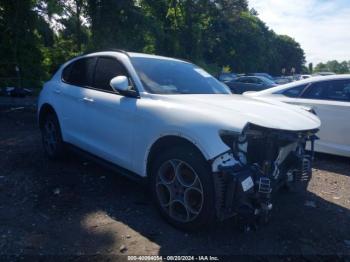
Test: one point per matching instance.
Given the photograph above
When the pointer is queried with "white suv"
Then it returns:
(207, 154)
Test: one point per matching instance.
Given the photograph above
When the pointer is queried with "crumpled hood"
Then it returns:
(237, 110)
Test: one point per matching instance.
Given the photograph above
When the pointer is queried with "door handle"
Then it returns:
(57, 91)
(88, 99)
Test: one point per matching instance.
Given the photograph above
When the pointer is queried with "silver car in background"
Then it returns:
(329, 98)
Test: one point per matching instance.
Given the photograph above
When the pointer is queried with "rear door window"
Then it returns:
(339, 91)
(336, 90)
(80, 72)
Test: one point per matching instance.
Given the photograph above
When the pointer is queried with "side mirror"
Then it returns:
(120, 84)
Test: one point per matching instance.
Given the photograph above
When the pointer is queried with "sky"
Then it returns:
(322, 27)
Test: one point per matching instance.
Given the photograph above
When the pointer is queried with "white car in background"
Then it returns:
(206, 154)
(329, 97)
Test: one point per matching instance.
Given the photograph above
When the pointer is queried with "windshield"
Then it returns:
(163, 76)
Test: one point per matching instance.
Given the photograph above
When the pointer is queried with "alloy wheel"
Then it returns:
(179, 190)
(50, 137)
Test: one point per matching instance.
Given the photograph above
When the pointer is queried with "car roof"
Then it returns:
(254, 76)
(134, 54)
(250, 76)
(304, 81)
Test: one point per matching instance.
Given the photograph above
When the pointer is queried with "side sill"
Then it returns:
(107, 164)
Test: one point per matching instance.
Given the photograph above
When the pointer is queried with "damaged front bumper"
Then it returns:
(260, 162)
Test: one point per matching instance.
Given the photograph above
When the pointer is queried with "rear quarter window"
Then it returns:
(66, 73)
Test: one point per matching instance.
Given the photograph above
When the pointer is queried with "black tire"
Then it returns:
(188, 157)
(56, 149)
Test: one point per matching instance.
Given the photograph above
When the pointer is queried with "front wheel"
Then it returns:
(182, 188)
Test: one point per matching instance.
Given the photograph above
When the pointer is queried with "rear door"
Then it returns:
(109, 117)
(76, 77)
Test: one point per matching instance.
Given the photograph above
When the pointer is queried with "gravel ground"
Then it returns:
(76, 207)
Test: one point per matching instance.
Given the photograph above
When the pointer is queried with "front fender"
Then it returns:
(208, 142)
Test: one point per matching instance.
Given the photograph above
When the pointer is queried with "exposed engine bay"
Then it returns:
(260, 162)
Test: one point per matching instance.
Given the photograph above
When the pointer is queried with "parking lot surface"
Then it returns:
(75, 207)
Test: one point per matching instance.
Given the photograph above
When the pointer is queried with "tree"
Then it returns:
(333, 66)
(20, 41)
(116, 24)
(68, 17)
(213, 34)
(289, 54)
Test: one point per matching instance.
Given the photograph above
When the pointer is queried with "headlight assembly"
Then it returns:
(238, 143)
(229, 137)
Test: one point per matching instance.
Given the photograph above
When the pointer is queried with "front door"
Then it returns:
(109, 117)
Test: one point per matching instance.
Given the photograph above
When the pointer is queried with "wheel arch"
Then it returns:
(45, 109)
(168, 141)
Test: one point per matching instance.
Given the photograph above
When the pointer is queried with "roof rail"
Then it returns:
(108, 50)
(115, 50)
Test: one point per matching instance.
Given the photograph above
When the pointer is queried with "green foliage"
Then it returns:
(334, 66)
(59, 53)
(116, 24)
(20, 43)
(39, 35)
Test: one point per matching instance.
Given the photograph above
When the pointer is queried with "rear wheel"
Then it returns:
(182, 188)
(51, 137)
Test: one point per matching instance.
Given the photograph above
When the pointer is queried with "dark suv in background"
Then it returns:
(249, 83)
